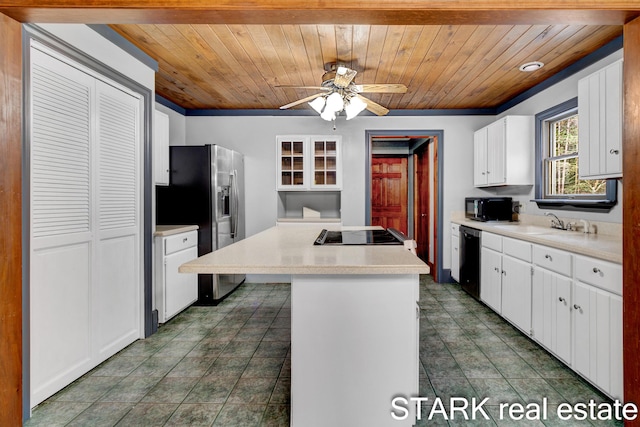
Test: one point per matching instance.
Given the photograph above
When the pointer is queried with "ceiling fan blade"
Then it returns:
(302, 101)
(375, 108)
(304, 87)
(382, 88)
(344, 76)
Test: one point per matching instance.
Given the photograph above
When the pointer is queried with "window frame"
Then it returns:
(579, 203)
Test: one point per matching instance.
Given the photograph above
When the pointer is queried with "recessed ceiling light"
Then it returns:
(531, 66)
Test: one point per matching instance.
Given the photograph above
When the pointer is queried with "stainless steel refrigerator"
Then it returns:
(206, 188)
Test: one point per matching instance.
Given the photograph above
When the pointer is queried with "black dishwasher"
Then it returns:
(470, 260)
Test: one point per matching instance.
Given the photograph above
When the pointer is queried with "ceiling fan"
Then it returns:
(340, 92)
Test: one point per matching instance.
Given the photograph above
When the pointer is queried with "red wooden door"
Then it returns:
(389, 192)
(421, 200)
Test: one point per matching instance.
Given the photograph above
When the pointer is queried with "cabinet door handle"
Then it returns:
(597, 270)
(562, 299)
(185, 240)
(577, 307)
(614, 151)
(496, 269)
(547, 256)
(504, 273)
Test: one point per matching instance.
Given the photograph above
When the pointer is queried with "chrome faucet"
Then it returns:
(555, 221)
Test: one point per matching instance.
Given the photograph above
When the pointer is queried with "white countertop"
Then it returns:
(310, 220)
(290, 250)
(602, 246)
(168, 230)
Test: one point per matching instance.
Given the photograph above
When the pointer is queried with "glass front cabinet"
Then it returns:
(309, 163)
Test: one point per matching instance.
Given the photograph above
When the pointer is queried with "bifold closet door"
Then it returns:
(84, 251)
(118, 285)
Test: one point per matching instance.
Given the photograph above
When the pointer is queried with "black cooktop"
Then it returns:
(390, 236)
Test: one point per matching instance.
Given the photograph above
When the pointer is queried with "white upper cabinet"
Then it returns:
(503, 152)
(600, 130)
(292, 163)
(161, 148)
(325, 165)
(309, 163)
(480, 158)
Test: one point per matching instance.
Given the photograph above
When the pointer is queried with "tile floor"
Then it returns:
(230, 366)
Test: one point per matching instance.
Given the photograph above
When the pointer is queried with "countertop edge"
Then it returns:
(310, 220)
(302, 270)
(541, 240)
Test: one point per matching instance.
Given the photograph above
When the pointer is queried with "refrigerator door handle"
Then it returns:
(235, 206)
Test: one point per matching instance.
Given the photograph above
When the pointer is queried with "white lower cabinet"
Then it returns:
(550, 312)
(516, 292)
(455, 252)
(570, 304)
(491, 270)
(491, 278)
(597, 338)
(505, 278)
(175, 291)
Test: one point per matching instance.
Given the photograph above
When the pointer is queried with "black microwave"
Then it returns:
(488, 208)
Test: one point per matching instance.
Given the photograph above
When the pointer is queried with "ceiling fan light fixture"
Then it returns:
(531, 66)
(354, 107)
(318, 104)
(328, 115)
(335, 103)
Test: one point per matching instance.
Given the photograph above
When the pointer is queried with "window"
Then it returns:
(557, 182)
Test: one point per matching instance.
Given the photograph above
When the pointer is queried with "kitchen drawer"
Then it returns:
(603, 274)
(455, 230)
(180, 242)
(491, 241)
(552, 259)
(516, 248)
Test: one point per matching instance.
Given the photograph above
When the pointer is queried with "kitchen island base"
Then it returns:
(354, 348)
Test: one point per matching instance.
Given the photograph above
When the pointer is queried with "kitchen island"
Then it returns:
(354, 321)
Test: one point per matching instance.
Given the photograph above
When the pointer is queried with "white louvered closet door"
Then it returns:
(85, 259)
(118, 231)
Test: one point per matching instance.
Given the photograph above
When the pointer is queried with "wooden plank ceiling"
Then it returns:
(444, 66)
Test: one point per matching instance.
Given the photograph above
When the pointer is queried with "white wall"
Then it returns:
(256, 136)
